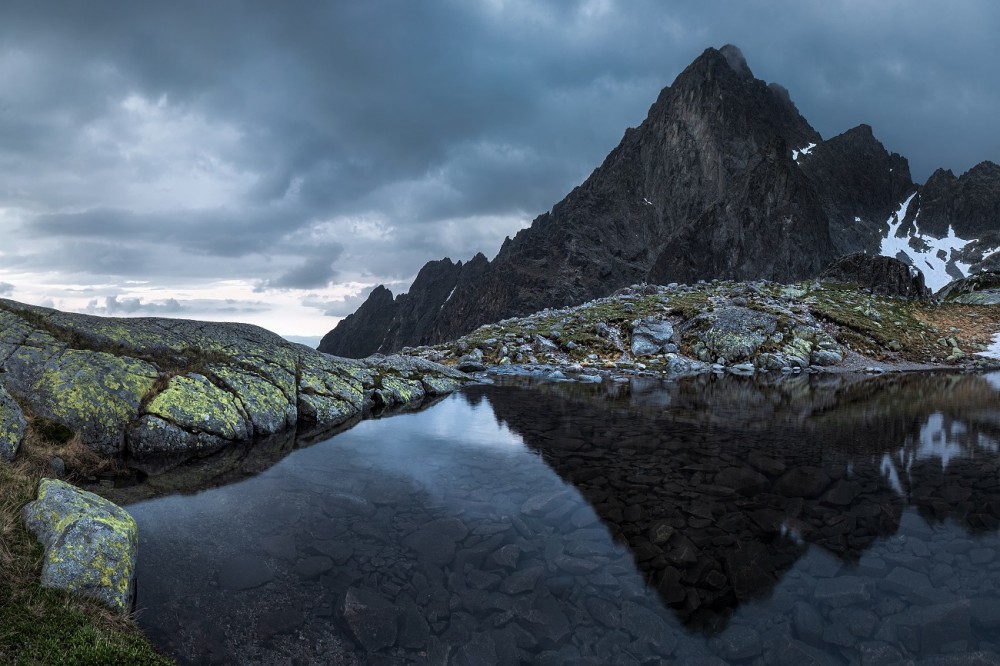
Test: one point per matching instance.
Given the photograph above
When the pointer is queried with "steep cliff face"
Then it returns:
(723, 179)
(970, 204)
(860, 184)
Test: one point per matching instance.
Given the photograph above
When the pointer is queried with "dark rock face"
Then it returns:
(374, 318)
(861, 185)
(883, 275)
(383, 324)
(969, 204)
(723, 179)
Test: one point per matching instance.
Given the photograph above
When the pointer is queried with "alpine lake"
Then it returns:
(812, 519)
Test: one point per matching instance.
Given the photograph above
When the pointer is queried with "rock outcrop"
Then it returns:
(12, 425)
(979, 289)
(887, 276)
(723, 179)
(157, 390)
(90, 544)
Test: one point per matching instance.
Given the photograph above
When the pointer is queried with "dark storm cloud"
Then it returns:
(6, 289)
(245, 140)
(314, 272)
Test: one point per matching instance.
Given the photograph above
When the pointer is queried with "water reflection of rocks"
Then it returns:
(714, 515)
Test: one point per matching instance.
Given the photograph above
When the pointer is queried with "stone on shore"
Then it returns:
(90, 543)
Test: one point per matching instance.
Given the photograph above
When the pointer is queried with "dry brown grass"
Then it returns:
(972, 323)
(40, 447)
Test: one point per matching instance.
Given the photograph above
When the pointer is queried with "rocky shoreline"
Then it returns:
(735, 327)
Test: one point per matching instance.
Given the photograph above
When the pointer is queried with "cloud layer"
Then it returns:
(173, 158)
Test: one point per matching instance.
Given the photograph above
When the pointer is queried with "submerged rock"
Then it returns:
(372, 619)
(12, 425)
(90, 543)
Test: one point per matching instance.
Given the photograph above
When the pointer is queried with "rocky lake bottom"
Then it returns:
(812, 519)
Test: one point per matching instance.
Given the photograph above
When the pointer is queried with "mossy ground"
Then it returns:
(44, 626)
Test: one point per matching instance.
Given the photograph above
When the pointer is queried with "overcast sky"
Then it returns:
(270, 162)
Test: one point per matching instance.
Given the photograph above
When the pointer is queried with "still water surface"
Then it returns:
(714, 520)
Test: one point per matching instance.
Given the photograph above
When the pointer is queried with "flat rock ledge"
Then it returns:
(90, 543)
(157, 392)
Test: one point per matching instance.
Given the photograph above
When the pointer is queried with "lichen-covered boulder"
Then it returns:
(400, 379)
(732, 333)
(174, 389)
(90, 543)
(193, 402)
(268, 407)
(12, 425)
(392, 391)
(190, 416)
(436, 385)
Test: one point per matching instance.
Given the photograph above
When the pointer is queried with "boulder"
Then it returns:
(886, 276)
(734, 333)
(91, 392)
(12, 425)
(90, 543)
(650, 336)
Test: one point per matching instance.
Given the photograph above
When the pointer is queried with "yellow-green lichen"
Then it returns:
(398, 391)
(92, 392)
(267, 406)
(194, 403)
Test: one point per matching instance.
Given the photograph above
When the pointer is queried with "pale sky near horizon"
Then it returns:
(272, 162)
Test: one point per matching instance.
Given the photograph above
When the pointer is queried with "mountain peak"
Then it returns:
(707, 186)
(717, 63)
(735, 59)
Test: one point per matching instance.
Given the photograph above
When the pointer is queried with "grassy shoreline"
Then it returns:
(46, 626)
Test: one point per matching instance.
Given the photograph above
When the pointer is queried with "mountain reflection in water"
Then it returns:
(719, 486)
(816, 519)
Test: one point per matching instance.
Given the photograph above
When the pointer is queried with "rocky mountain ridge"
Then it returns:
(723, 179)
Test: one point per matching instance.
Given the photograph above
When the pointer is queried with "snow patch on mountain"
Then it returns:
(937, 258)
(450, 294)
(993, 351)
(799, 152)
